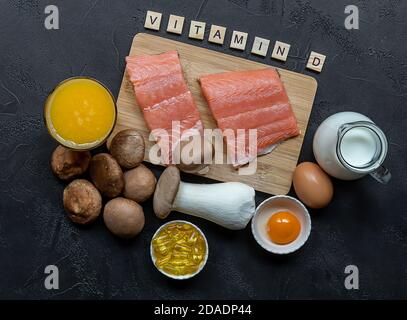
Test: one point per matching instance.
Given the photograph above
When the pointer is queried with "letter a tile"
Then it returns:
(217, 34)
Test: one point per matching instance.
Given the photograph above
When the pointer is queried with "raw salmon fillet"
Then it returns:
(163, 96)
(254, 99)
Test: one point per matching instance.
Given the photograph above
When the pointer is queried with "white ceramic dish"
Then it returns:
(188, 276)
(277, 204)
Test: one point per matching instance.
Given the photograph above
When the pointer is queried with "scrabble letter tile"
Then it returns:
(175, 24)
(280, 51)
(316, 61)
(239, 40)
(217, 34)
(197, 30)
(153, 20)
(260, 46)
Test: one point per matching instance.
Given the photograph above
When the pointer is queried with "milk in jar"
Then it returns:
(348, 145)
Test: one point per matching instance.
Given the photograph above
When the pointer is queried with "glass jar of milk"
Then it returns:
(348, 145)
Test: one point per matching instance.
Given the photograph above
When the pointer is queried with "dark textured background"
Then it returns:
(365, 225)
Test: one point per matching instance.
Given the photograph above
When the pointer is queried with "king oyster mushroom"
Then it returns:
(229, 204)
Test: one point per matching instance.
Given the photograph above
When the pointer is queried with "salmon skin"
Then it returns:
(164, 99)
(254, 99)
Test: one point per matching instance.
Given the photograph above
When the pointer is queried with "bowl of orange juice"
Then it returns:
(80, 113)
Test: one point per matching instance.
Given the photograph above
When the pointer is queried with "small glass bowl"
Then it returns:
(69, 144)
(187, 276)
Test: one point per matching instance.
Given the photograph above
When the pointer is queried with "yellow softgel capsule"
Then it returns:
(162, 250)
(187, 227)
(171, 269)
(193, 237)
(161, 238)
(179, 248)
(182, 248)
(180, 255)
(163, 260)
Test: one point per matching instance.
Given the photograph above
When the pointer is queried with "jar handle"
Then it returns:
(382, 174)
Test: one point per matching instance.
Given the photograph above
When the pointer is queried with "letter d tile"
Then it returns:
(316, 61)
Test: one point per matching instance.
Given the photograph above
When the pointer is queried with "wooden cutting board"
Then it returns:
(274, 171)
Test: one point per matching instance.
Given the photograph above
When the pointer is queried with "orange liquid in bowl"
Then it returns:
(80, 113)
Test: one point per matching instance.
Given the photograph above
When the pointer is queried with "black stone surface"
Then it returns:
(365, 225)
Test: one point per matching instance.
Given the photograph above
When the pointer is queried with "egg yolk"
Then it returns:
(283, 227)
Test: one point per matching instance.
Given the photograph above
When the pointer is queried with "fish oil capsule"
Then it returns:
(171, 269)
(171, 228)
(163, 260)
(168, 243)
(177, 236)
(179, 262)
(182, 241)
(200, 244)
(197, 257)
(163, 249)
(193, 238)
(182, 248)
(196, 250)
(192, 263)
(186, 226)
(189, 269)
(161, 238)
(180, 255)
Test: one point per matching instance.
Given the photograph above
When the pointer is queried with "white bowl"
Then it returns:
(274, 205)
(184, 277)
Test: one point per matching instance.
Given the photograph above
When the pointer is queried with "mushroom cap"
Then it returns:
(67, 164)
(128, 147)
(107, 175)
(139, 184)
(124, 217)
(82, 201)
(166, 191)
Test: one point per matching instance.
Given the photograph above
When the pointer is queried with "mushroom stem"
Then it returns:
(230, 204)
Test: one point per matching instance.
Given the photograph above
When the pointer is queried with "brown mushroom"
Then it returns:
(166, 191)
(139, 184)
(128, 147)
(67, 164)
(193, 152)
(107, 175)
(82, 201)
(124, 217)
